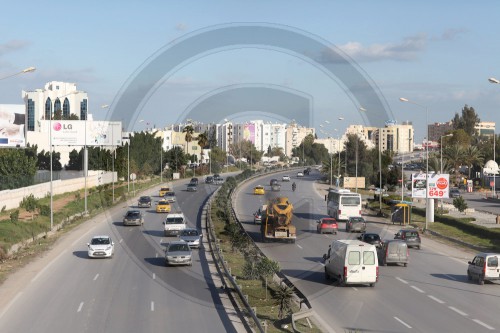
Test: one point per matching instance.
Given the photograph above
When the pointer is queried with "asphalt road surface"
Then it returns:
(432, 294)
(133, 292)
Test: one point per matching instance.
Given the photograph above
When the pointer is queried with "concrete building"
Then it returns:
(295, 134)
(437, 130)
(485, 128)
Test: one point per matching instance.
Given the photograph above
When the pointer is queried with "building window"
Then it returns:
(66, 109)
(30, 111)
(83, 109)
(57, 105)
(48, 109)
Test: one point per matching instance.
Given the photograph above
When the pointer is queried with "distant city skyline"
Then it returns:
(439, 55)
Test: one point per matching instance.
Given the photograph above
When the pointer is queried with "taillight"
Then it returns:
(340, 212)
(407, 252)
(345, 273)
(360, 213)
(387, 251)
(377, 273)
(403, 236)
(484, 268)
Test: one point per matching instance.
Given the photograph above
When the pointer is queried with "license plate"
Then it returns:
(280, 234)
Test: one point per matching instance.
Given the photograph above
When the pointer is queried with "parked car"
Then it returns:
(327, 224)
(133, 217)
(394, 251)
(259, 190)
(192, 187)
(101, 247)
(191, 236)
(144, 201)
(273, 181)
(178, 253)
(371, 238)
(455, 193)
(285, 178)
(484, 267)
(170, 197)
(163, 206)
(355, 223)
(410, 236)
(209, 180)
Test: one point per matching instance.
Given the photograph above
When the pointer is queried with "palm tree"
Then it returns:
(202, 142)
(325, 167)
(472, 156)
(283, 299)
(189, 130)
(454, 154)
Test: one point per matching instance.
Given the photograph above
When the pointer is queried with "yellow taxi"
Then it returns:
(163, 206)
(163, 191)
(259, 189)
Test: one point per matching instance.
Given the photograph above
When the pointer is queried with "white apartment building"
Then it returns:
(393, 137)
(294, 136)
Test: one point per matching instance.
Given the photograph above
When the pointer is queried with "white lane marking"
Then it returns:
(354, 288)
(300, 247)
(152, 306)
(483, 324)
(80, 307)
(436, 299)
(458, 311)
(121, 240)
(84, 235)
(10, 303)
(450, 277)
(400, 279)
(96, 276)
(154, 276)
(322, 264)
(156, 254)
(418, 289)
(402, 322)
(48, 265)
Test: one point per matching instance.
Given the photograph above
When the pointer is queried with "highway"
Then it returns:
(432, 294)
(132, 292)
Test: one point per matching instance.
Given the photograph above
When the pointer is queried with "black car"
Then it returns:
(194, 181)
(410, 236)
(371, 238)
(273, 181)
(144, 201)
(209, 180)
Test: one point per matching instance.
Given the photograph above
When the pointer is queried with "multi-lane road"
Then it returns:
(132, 292)
(432, 294)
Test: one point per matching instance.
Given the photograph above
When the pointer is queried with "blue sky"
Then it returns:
(437, 54)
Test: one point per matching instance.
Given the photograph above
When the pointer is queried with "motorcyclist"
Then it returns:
(294, 186)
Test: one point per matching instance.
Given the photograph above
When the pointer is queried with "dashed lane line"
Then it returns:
(460, 312)
(418, 289)
(435, 299)
(96, 276)
(401, 280)
(152, 306)
(80, 307)
(402, 322)
(483, 324)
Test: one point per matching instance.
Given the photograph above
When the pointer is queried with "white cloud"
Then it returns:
(12, 45)
(405, 50)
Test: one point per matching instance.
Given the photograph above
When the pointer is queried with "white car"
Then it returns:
(300, 174)
(101, 247)
(285, 178)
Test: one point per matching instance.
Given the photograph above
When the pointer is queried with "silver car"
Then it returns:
(178, 253)
(356, 223)
(192, 237)
(133, 217)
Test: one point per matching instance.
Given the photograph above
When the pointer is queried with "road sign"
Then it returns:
(133, 176)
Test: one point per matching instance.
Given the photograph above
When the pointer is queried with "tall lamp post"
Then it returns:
(493, 80)
(24, 71)
(429, 209)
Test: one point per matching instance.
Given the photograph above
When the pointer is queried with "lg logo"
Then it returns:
(59, 126)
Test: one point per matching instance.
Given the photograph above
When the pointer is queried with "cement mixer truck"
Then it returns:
(277, 221)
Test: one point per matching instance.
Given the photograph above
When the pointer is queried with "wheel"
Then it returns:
(480, 280)
(385, 263)
(469, 276)
(405, 264)
(341, 281)
(418, 247)
(327, 276)
(372, 285)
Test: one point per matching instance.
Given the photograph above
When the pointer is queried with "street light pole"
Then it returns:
(26, 70)
(429, 209)
(493, 80)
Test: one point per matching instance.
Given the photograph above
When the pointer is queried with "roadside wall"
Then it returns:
(11, 198)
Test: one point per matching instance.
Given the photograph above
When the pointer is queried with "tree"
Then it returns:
(355, 146)
(189, 130)
(454, 154)
(175, 158)
(17, 168)
(283, 299)
(467, 121)
(30, 204)
(218, 158)
(212, 137)
(202, 142)
(314, 153)
(75, 161)
(460, 204)
(57, 114)
(472, 157)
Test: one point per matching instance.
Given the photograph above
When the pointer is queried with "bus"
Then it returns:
(342, 204)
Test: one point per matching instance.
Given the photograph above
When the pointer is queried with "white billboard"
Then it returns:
(438, 185)
(90, 133)
(12, 122)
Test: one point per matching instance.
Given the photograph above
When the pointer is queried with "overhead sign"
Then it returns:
(438, 185)
(90, 133)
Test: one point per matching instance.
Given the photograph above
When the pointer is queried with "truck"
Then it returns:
(277, 221)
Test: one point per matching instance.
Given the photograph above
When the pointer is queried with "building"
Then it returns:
(485, 128)
(295, 134)
(393, 137)
(437, 130)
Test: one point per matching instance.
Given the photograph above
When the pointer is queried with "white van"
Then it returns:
(352, 262)
(484, 267)
(174, 223)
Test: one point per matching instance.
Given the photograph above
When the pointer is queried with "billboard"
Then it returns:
(249, 132)
(438, 185)
(12, 122)
(350, 182)
(90, 133)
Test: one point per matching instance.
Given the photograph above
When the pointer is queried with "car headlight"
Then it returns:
(90, 248)
(108, 248)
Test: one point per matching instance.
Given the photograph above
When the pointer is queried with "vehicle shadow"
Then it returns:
(315, 259)
(160, 261)
(155, 233)
(308, 275)
(452, 277)
(81, 254)
(118, 224)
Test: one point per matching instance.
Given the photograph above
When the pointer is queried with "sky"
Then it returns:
(437, 54)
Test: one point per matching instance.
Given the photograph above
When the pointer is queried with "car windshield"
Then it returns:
(170, 194)
(174, 220)
(145, 199)
(189, 233)
(162, 202)
(411, 234)
(178, 247)
(100, 241)
(133, 214)
(357, 219)
(372, 237)
(328, 221)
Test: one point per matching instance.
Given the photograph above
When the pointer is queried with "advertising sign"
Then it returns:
(249, 132)
(12, 121)
(438, 185)
(350, 182)
(97, 133)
